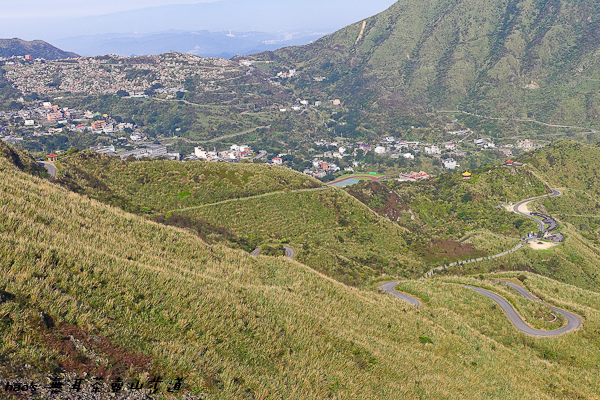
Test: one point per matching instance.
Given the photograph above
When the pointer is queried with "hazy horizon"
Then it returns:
(50, 21)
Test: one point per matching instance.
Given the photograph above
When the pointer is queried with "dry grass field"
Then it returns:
(143, 297)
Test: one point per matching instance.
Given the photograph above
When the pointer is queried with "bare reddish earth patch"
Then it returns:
(72, 342)
(440, 249)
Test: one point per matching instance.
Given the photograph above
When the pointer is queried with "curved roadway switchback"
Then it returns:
(540, 223)
(50, 168)
(573, 321)
(389, 289)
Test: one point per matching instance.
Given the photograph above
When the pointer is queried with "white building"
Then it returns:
(408, 156)
(200, 153)
(104, 149)
(380, 150)
(431, 150)
(526, 145)
(450, 163)
(450, 146)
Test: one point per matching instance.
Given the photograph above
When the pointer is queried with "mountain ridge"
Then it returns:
(35, 48)
(517, 59)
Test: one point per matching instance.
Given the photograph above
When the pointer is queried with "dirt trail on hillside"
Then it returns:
(362, 32)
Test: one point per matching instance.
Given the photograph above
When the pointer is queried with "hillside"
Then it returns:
(89, 288)
(472, 212)
(158, 186)
(35, 48)
(330, 231)
(573, 166)
(513, 59)
(249, 205)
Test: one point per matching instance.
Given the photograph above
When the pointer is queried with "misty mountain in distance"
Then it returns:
(202, 43)
(36, 49)
(220, 16)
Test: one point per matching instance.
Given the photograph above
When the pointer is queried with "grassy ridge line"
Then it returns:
(158, 186)
(268, 327)
(250, 198)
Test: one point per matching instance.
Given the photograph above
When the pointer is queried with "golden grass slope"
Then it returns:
(331, 231)
(237, 327)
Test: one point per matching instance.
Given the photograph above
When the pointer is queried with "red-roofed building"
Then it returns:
(419, 175)
(277, 161)
(52, 157)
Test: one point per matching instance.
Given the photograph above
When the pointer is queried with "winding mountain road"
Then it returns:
(389, 289)
(518, 210)
(49, 167)
(573, 321)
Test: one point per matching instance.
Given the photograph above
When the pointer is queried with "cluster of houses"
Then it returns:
(302, 105)
(46, 119)
(322, 168)
(235, 153)
(109, 75)
(145, 150)
(414, 177)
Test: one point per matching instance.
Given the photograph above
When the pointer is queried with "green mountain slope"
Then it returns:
(127, 296)
(473, 212)
(158, 186)
(517, 58)
(35, 48)
(251, 205)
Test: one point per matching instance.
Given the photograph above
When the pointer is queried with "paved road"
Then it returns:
(234, 134)
(389, 289)
(573, 321)
(261, 155)
(51, 168)
(505, 253)
(289, 252)
(540, 223)
(512, 119)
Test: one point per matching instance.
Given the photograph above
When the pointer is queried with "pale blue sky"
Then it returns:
(27, 9)
(58, 19)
